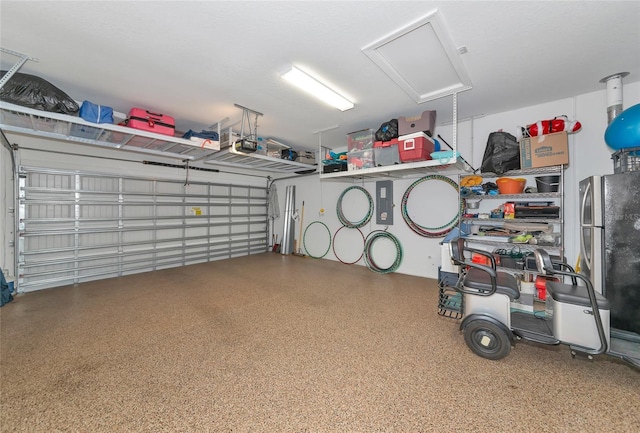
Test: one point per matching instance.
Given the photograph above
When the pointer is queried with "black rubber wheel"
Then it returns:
(486, 339)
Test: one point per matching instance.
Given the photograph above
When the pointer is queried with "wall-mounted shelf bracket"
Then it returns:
(23, 59)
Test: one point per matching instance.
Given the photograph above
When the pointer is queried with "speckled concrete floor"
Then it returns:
(283, 344)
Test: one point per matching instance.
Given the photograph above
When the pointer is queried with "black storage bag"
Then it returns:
(37, 93)
(501, 154)
(387, 131)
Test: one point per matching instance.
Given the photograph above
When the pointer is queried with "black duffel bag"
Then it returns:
(501, 154)
(387, 131)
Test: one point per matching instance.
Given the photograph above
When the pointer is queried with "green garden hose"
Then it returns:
(343, 220)
(371, 238)
(430, 232)
(304, 240)
(334, 246)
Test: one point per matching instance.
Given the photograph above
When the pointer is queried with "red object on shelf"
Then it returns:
(541, 285)
(480, 259)
(139, 118)
(557, 124)
(415, 147)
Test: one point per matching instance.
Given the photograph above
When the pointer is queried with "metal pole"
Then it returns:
(288, 233)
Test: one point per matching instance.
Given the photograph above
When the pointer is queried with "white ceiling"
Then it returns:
(195, 60)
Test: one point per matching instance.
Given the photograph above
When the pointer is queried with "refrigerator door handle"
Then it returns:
(584, 203)
(583, 250)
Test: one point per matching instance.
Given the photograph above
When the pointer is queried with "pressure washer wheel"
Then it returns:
(487, 340)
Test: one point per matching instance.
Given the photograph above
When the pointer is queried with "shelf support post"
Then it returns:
(23, 59)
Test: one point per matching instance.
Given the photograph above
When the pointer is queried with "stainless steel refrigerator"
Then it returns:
(610, 243)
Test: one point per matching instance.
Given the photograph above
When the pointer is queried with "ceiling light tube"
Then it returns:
(314, 87)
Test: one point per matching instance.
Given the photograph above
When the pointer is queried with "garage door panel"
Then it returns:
(78, 226)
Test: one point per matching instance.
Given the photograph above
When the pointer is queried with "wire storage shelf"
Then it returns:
(23, 120)
(449, 299)
(449, 303)
(626, 160)
(232, 157)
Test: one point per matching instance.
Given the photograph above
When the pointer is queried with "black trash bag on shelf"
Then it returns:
(37, 93)
(387, 131)
(501, 154)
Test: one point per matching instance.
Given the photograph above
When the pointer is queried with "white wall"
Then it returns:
(588, 155)
(6, 216)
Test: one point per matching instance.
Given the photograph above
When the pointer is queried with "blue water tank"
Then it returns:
(624, 131)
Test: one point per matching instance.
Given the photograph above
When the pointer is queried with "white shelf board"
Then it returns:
(406, 170)
(512, 220)
(501, 241)
(513, 197)
(525, 172)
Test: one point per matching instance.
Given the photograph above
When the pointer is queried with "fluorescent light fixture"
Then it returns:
(314, 87)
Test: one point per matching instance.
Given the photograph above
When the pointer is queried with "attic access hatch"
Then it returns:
(422, 59)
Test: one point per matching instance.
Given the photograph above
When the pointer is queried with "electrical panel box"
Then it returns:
(384, 202)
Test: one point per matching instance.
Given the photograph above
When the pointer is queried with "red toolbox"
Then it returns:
(415, 147)
(139, 118)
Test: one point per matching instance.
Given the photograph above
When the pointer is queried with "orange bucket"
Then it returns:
(509, 185)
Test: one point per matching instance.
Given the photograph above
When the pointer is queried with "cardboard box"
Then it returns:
(423, 123)
(544, 151)
(306, 157)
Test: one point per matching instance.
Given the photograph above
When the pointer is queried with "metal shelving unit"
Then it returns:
(27, 121)
(557, 197)
(231, 157)
(453, 165)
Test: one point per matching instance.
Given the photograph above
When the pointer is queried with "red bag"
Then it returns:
(557, 124)
(140, 118)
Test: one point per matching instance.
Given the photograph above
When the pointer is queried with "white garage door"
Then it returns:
(76, 226)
